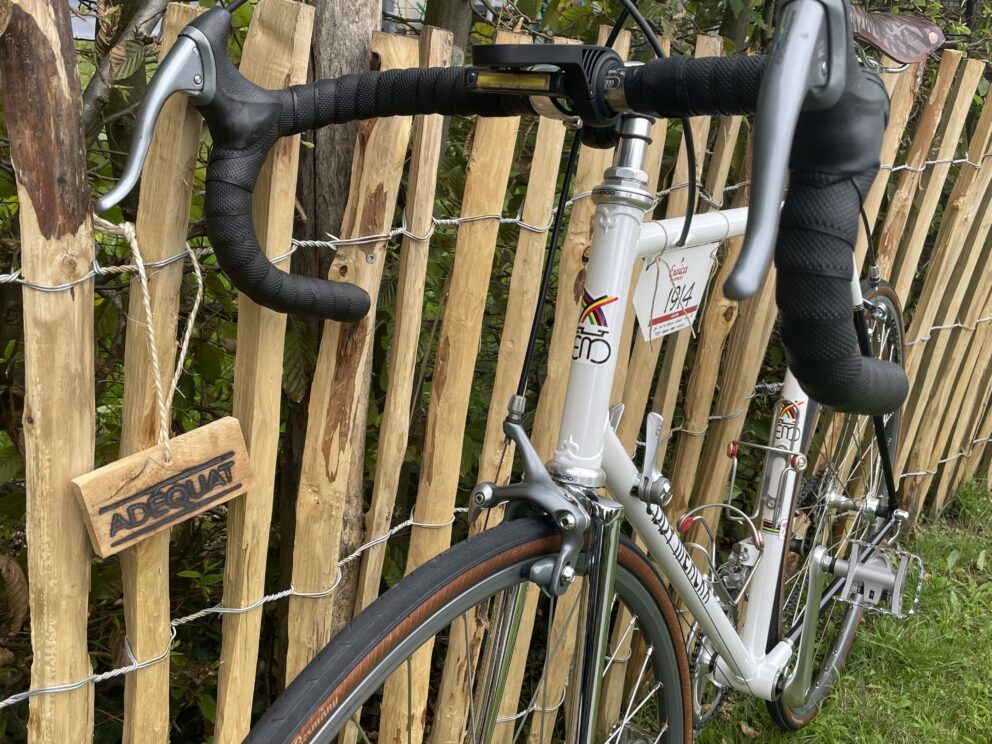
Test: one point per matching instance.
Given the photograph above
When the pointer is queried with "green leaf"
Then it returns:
(952, 558)
(208, 707)
(134, 59)
(298, 361)
(106, 320)
(11, 466)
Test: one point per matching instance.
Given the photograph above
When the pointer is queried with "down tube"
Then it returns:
(677, 566)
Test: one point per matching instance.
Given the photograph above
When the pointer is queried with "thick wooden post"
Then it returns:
(340, 390)
(43, 106)
(276, 54)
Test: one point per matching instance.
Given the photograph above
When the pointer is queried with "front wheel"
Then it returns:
(384, 676)
(835, 505)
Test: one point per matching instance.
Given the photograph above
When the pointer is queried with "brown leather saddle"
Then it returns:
(906, 39)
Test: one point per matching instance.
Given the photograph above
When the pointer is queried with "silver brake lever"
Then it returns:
(807, 70)
(187, 68)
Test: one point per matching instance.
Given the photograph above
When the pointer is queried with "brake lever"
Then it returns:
(807, 71)
(188, 68)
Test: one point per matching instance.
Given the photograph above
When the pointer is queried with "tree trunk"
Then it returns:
(456, 17)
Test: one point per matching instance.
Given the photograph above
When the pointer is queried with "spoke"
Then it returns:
(626, 632)
(361, 731)
(631, 710)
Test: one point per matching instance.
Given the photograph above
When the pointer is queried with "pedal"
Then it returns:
(879, 582)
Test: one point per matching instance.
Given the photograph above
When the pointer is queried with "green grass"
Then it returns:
(928, 679)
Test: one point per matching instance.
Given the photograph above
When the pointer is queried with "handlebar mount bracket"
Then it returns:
(574, 76)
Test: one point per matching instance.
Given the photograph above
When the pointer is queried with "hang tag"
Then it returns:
(670, 289)
(128, 500)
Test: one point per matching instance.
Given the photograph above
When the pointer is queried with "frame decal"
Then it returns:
(592, 308)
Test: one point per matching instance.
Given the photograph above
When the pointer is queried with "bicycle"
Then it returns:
(823, 552)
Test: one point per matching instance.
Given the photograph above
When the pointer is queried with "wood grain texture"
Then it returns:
(43, 109)
(945, 288)
(496, 458)
(435, 51)
(901, 201)
(328, 507)
(275, 55)
(163, 213)
(926, 201)
(140, 495)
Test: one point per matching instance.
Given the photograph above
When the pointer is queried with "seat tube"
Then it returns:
(621, 201)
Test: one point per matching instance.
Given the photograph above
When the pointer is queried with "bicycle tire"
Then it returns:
(353, 666)
(835, 639)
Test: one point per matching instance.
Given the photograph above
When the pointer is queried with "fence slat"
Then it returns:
(48, 154)
(339, 393)
(525, 280)
(902, 89)
(163, 213)
(486, 179)
(951, 266)
(435, 51)
(933, 412)
(276, 54)
(644, 358)
(926, 204)
(897, 210)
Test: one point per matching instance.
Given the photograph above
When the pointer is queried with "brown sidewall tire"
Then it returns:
(314, 696)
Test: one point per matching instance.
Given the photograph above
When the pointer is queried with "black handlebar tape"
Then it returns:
(675, 87)
(246, 120)
(834, 162)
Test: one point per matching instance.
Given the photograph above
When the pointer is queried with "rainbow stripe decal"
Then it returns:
(592, 308)
(790, 410)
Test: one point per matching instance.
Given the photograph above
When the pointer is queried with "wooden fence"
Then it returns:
(934, 209)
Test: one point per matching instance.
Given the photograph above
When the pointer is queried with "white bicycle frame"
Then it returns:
(590, 454)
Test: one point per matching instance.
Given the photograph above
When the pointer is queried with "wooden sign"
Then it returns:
(137, 496)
